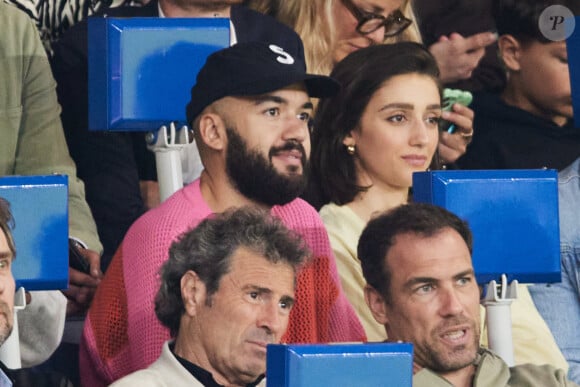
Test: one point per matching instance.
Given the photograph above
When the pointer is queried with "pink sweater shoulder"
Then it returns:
(121, 332)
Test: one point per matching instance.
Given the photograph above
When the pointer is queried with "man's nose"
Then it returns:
(450, 302)
(295, 129)
(272, 319)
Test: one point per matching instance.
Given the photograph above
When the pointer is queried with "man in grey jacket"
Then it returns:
(421, 285)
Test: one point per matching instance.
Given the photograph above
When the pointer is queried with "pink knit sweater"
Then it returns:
(122, 333)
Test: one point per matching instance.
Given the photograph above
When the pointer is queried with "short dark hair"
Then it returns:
(207, 250)
(361, 74)
(380, 233)
(7, 224)
(519, 18)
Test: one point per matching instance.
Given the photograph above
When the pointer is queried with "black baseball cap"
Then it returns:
(252, 69)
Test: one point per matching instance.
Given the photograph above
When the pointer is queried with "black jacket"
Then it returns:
(31, 377)
(507, 137)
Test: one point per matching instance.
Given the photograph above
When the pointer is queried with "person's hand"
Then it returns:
(82, 286)
(453, 146)
(457, 56)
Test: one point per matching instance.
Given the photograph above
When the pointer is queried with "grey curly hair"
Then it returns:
(207, 250)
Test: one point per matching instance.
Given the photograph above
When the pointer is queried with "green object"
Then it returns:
(450, 97)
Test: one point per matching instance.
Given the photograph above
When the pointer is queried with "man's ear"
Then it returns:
(193, 292)
(212, 131)
(376, 303)
(510, 50)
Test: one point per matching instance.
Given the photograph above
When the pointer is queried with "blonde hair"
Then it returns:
(318, 38)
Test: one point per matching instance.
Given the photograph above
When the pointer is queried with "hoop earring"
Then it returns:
(350, 149)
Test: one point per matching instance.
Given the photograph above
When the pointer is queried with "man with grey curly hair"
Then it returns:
(226, 293)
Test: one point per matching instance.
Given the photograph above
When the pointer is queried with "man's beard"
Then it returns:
(6, 322)
(439, 359)
(256, 177)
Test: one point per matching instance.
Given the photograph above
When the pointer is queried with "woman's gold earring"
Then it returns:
(350, 149)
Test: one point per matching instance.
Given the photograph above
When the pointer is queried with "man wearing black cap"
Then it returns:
(250, 111)
(111, 164)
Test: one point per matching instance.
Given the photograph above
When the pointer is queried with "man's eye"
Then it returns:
(304, 116)
(273, 112)
(424, 289)
(464, 281)
(4, 264)
(286, 305)
(254, 295)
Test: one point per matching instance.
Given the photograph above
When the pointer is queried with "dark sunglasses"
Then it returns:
(368, 22)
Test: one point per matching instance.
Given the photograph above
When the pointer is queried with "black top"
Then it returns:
(507, 137)
(205, 377)
(33, 377)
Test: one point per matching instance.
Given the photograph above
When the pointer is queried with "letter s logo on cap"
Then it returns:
(284, 57)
